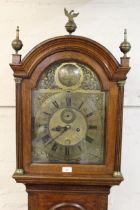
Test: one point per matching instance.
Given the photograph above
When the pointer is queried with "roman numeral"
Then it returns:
(80, 148)
(92, 127)
(68, 101)
(89, 139)
(89, 114)
(81, 105)
(54, 147)
(67, 151)
(55, 104)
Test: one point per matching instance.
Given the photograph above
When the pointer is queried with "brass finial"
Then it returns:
(70, 25)
(17, 43)
(125, 46)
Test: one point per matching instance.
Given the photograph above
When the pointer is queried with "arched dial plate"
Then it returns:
(68, 124)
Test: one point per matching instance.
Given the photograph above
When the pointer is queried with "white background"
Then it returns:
(101, 20)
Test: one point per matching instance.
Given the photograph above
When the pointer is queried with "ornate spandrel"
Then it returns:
(52, 78)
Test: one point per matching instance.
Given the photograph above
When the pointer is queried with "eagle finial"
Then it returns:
(70, 25)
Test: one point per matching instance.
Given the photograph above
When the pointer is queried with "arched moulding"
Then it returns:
(64, 206)
(71, 44)
(77, 57)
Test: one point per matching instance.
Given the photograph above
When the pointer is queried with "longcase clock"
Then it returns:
(69, 104)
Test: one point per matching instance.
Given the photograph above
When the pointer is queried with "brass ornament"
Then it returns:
(70, 25)
(121, 83)
(125, 46)
(17, 43)
(18, 80)
(117, 174)
(19, 171)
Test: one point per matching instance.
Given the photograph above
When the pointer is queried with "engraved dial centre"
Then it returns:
(72, 126)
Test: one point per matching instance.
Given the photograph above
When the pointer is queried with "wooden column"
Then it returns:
(16, 60)
(117, 167)
(19, 146)
(119, 122)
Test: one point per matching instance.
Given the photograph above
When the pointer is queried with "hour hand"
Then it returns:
(59, 128)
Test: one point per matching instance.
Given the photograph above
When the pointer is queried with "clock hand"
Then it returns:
(63, 131)
(59, 128)
(65, 128)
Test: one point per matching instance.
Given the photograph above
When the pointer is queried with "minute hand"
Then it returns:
(63, 131)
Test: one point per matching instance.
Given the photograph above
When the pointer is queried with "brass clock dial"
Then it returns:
(68, 126)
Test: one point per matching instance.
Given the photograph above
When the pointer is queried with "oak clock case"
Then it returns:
(69, 105)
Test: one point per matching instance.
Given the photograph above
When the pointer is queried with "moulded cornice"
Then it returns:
(40, 179)
(94, 50)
